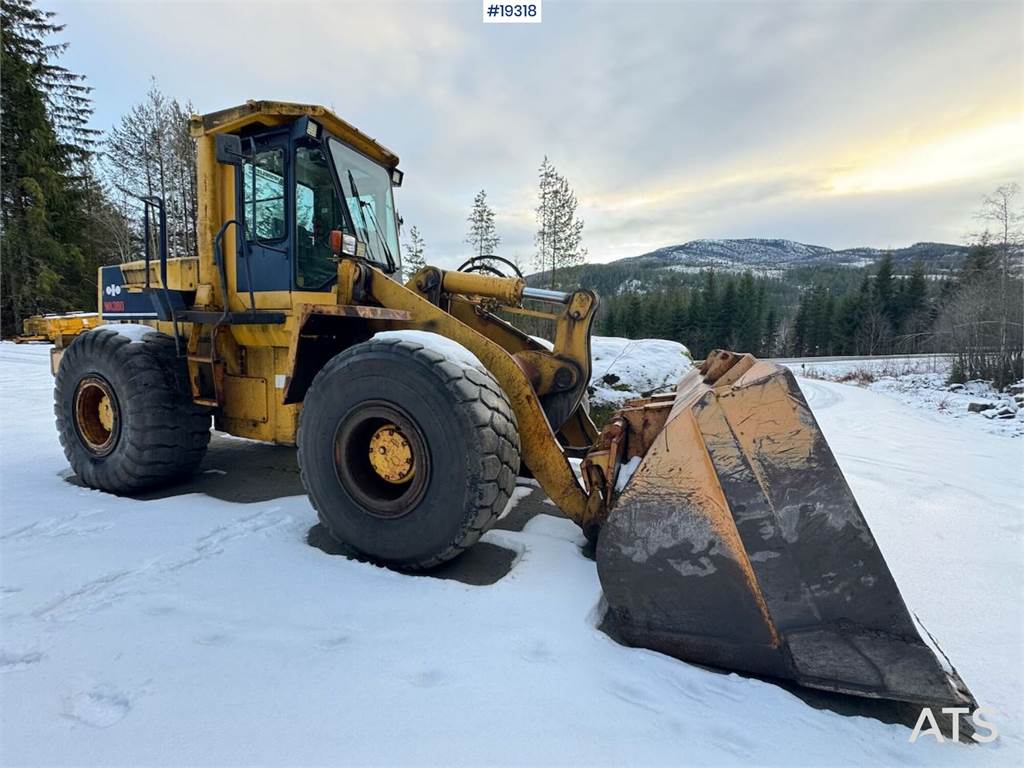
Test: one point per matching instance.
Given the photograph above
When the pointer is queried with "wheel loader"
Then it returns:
(726, 534)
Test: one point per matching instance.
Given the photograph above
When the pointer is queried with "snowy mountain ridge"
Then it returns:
(777, 253)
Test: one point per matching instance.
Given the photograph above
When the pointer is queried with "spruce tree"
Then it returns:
(696, 324)
(884, 290)
(725, 330)
(768, 342)
(412, 258)
(482, 236)
(48, 194)
(748, 320)
(559, 237)
(799, 334)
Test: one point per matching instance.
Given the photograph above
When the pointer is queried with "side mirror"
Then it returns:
(228, 149)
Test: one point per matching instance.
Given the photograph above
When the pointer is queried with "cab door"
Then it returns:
(265, 192)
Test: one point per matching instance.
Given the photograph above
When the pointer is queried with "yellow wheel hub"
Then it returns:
(106, 413)
(95, 415)
(391, 455)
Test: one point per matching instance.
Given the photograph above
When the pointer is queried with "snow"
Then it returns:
(627, 368)
(440, 344)
(622, 368)
(133, 331)
(190, 630)
(920, 382)
(626, 472)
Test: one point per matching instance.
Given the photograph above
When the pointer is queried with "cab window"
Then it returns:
(263, 182)
(317, 212)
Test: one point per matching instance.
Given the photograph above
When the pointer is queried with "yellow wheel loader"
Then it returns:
(734, 541)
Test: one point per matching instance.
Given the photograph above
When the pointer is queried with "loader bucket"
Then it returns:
(737, 543)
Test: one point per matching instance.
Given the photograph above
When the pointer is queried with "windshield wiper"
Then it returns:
(373, 218)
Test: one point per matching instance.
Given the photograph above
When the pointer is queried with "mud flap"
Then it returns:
(737, 543)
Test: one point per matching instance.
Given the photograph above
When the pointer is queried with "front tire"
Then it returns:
(407, 456)
(125, 417)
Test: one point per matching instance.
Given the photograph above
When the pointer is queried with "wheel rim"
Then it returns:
(97, 417)
(391, 455)
(381, 459)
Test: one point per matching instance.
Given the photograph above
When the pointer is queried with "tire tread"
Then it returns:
(493, 419)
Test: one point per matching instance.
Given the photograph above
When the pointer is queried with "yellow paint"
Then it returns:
(391, 455)
(271, 113)
(244, 377)
(58, 328)
(182, 273)
(507, 290)
(540, 449)
(106, 413)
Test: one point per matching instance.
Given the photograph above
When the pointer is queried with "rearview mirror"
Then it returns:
(228, 149)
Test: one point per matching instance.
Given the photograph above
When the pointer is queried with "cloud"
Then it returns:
(835, 123)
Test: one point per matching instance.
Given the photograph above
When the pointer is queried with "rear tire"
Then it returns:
(125, 416)
(453, 461)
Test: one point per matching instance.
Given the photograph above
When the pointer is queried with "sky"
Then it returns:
(832, 123)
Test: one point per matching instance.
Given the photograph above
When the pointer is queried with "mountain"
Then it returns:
(775, 256)
(801, 265)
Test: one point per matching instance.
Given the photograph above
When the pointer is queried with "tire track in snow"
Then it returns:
(99, 593)
(52, 527)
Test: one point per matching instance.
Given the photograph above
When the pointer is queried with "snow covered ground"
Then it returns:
(920, 382)
(193, 630)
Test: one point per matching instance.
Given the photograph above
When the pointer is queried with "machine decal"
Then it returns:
(119, 303)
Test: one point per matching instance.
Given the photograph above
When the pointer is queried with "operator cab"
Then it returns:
(304, 198)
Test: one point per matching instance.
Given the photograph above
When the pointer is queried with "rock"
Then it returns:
(1016, 389)
(979, 407)
(955, 387)
(1006, 412)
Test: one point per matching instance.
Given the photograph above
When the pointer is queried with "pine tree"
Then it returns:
(629, 322)
(696, 324)
(657, 323)
(768, 337)
(916, 319)
(799, 341)
(978, 265)
(725, 332)
(559, 233)
(709, 315)
(413, 260)
(547, 181)
(749, 319)
(27, 33)
(609, 327)
(48, 195)
(678, 318)
(482, 237)
(884, 292)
